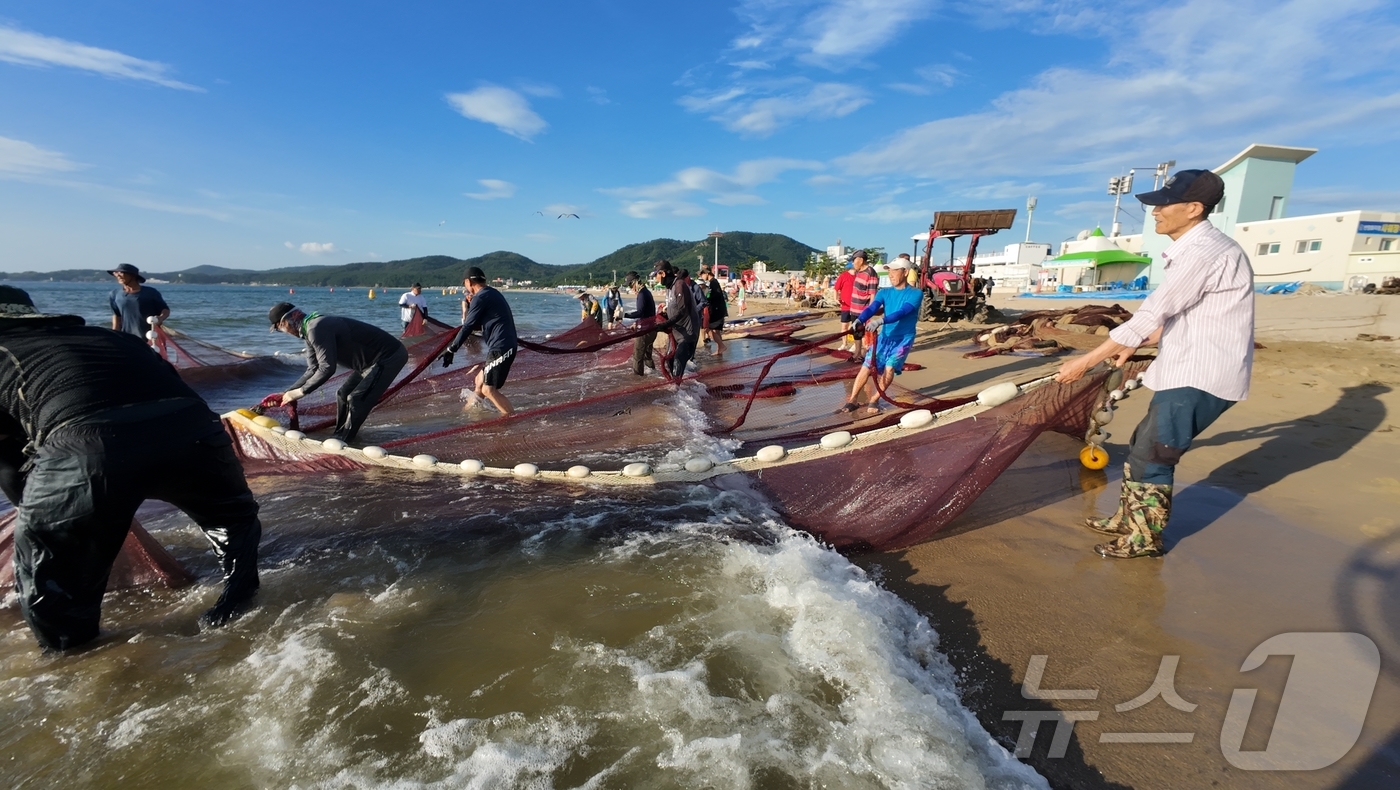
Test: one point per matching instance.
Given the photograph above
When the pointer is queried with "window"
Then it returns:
(1387, 245)
(1268, 248)
(1308, 245)
(1276, 208)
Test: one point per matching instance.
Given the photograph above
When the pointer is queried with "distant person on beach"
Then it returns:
(374, 357)
(612, 306)
(742, 297)
(91, 425)
(682, 310)
(1202, 319)
(716, 309)
(591, 308)
(893, 317)
(864, 284)
(646, 312)
(133, 304)
(411, 300)
(490, 313)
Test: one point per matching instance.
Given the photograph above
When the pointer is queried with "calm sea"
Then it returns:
(420, 632)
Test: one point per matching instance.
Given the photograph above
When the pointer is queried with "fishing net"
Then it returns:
(185, 352)
(142, 561)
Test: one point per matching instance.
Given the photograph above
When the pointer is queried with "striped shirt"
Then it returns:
(1205, 309)
(863, 288)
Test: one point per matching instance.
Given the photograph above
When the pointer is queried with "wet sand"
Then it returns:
(1285, 520)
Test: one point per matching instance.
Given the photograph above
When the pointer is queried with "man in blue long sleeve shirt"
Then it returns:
(894, 315)
(488, 311)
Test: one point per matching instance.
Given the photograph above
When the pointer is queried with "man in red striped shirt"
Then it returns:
(864, 284)
(1202, 319)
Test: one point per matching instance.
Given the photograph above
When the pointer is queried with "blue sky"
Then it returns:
(265, 134)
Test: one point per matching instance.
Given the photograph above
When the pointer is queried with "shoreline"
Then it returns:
(1283, 522)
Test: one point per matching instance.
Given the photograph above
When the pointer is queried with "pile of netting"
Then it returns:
(1049, 332)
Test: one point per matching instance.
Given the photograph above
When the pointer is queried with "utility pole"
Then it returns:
(1030, 216)
(715, 235)
(1118, 186)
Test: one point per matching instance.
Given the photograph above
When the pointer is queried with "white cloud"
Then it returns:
(545, 237)
(664, 199)
(312, 248)
(501, 107)
(1199, 82)
(795, 215)
(829, 33)
(671, 198)
(31, 49)
(495, 189)
(598, 96)
(824, 180)
(543, 90)
(652, 209)
(18, 157)
(840, 30)
(890, 213)
(740, 110)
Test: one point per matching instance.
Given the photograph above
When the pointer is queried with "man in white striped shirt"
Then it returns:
(1202, 319)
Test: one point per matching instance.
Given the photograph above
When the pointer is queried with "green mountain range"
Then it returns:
(737, 249)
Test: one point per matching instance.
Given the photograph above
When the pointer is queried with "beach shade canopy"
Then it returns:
(1095, 258)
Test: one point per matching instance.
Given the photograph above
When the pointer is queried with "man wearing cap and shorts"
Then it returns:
(410, 301)
(1202, 319)
(893, 317)
(133, 304)
(646, 312)
(489, 312)
(373, 356)
(864, 283)
(92, 424)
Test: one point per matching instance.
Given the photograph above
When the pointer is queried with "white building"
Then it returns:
(1335, 250)
(1016, 268)
(1346, 249)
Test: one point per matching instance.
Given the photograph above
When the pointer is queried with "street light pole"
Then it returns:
(1030, 216)
(715, 235)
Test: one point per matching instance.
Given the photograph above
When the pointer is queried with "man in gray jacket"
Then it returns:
(373, 356)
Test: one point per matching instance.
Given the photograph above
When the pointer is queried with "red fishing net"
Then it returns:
(142, 562)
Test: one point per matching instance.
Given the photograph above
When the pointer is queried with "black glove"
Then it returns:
(857, 330)
(446, 358)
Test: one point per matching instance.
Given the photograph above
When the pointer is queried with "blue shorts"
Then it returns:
(889, 352)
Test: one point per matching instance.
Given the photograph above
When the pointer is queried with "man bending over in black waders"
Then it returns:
(92, 424)
(489, 312)
(373, 356)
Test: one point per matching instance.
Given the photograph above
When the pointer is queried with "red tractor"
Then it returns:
(951, 291)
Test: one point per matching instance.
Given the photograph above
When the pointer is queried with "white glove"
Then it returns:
(292, 395)
(874, 324)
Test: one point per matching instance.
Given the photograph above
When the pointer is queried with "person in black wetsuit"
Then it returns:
(645, 312)
(681, 309)
(489, 312)
(716, 308)
(91, 425)
(373, 356)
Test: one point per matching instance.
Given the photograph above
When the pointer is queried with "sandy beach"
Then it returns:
(1284, 521)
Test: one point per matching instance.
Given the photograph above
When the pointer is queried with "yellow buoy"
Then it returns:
(247, 413)
(371, 293)
(1093, 457)
(266, 422)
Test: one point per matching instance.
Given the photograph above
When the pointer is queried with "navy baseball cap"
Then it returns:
(1187, 186)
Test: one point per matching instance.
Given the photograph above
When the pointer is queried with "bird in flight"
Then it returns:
(561, 216)
(541, 213)
(440, 224)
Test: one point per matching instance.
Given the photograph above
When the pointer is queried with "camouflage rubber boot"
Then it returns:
(1149, 507)
(1116, 524)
